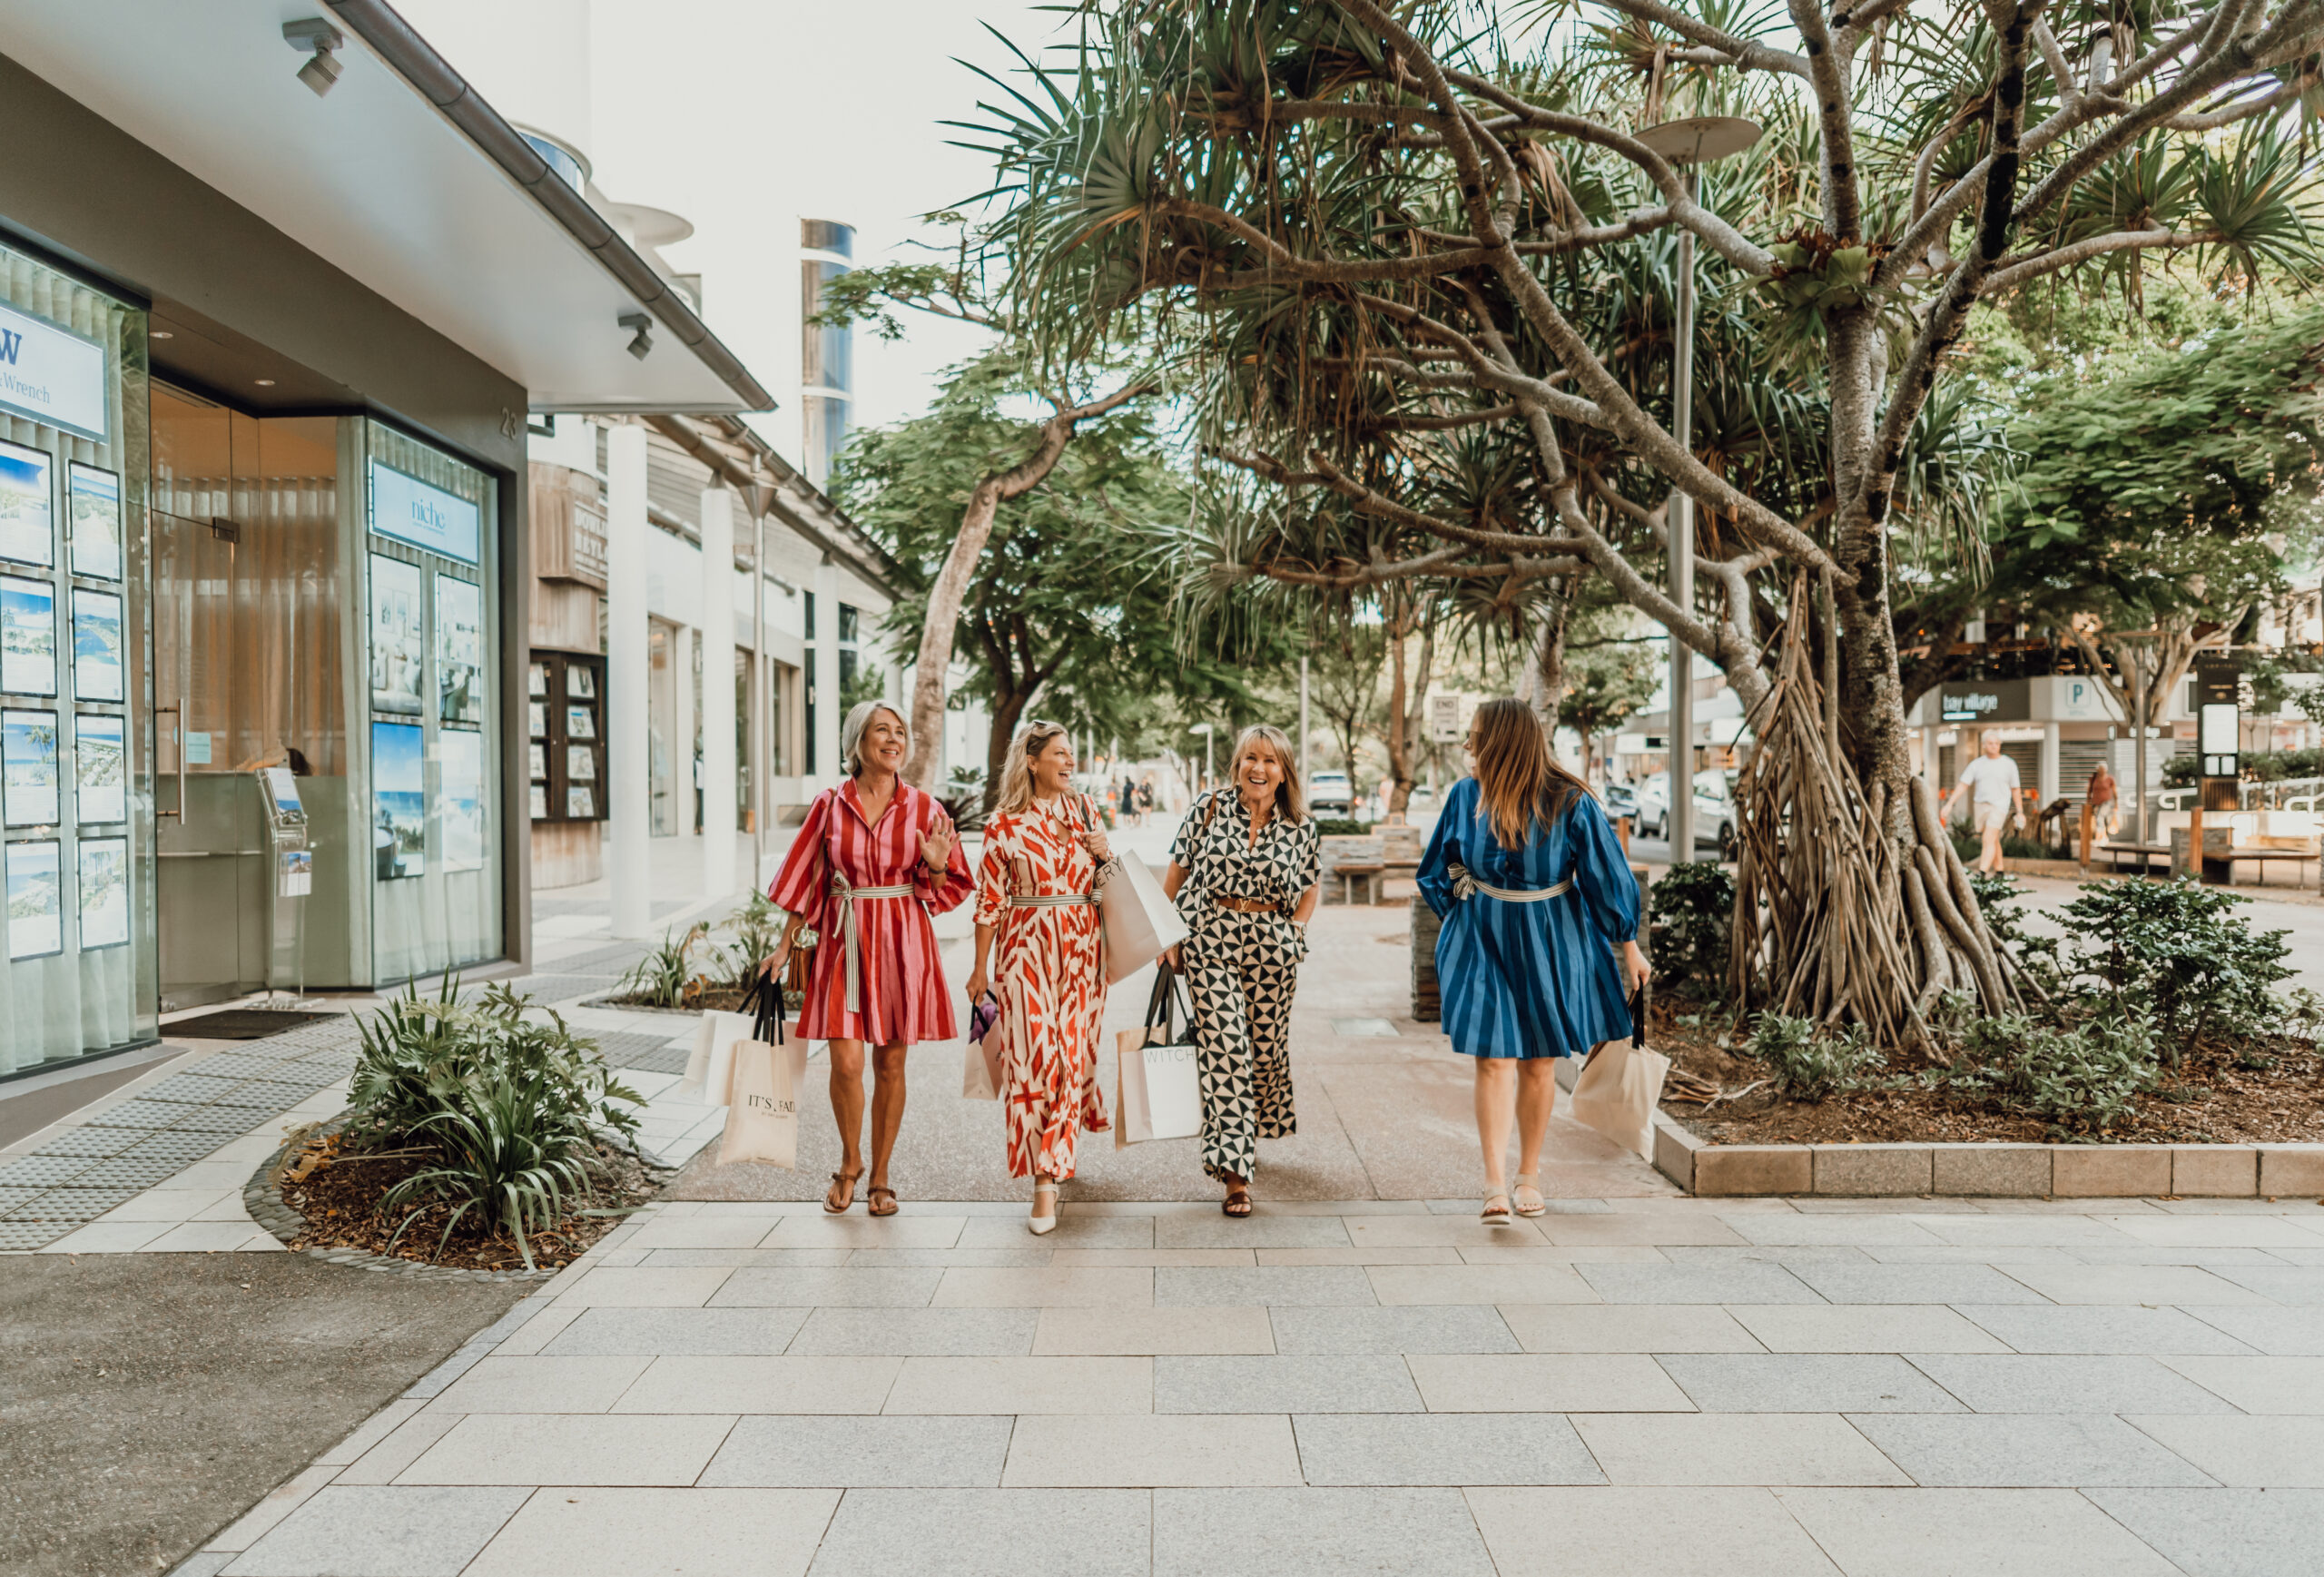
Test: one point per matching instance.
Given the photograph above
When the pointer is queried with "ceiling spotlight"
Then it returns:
(317, 38)
(160, 334)
(266, 383)
(641, 344)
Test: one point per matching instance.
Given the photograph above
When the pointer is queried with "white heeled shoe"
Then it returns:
(1042, 1226)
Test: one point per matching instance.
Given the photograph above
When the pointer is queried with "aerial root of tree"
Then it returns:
(1849, 904)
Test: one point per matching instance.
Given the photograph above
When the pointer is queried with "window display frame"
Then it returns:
(575, 682)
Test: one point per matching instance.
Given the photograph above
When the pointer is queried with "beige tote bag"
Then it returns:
(1141, 925)
(762, 1115)
(1158, 1089)
(1621, 1085)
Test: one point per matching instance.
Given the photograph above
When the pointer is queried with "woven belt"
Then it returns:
(1052, 900)
(850, 896)
(1465, 885)
(1245, 905)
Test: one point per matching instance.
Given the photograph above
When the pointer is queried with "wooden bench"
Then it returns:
(1350, 874)
(2115, 853)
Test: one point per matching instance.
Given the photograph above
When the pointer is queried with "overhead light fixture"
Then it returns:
(266, 383)
(641, 344)
(317, 38)
(160, 334)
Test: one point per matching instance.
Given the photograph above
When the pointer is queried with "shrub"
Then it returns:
(2175, 952)
(1807, 1064)
(757, 927)
(669, 976)
(2085, 1079)
(1338, 827)
(1689, 912)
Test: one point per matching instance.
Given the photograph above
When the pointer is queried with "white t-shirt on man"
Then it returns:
(1992, 780)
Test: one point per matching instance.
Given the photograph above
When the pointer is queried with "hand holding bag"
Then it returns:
(1622, 1084)
(1159, 1089)
(762, 1118)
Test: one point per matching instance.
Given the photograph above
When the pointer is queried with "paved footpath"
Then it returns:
(1626, 1385)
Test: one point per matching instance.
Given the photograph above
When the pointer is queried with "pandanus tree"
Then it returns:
(1370, 227)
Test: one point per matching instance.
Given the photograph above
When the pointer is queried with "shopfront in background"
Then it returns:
(2058, 727)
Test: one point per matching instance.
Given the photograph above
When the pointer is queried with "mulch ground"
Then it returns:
(2218, 1096)
(341, 1201)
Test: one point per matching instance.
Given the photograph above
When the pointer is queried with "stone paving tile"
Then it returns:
(1545, 1383)
(2149, 1254)
(701, 1232)
(1484, 1284)
(2255, 1384)
(401, 1448)
(1915, 1284)
(2225, 1533)
(2098, 1329)
(844, 1453)
(2013, 1229)
(1601, 1254)
(1420, 1231)
(1994, 1254)
(540, 1384)
(1338, 1383)
(1063, 1451)
(1315, 1532)
(2023, 1451)
(1759, 1253)
(2298, 1285)
(1049, 1287)
(1452, 1328)
(2281, 1332)
(1261, 1230)
(644, 1286)
(1154, 1259)
(2147, 1284)
(2209, 1231)
(1690, 1532)
(2258, 1453)
(1806, 1383)
(883, 1532)
(1025, 1258)
(570, 1448)
(1729, 1284)
(1022, 1385)
(759, 1384)
(1627, 1327)
(571, 1531)
(1634, 1229)
(1263, 1287)
(2069, 1383)
(1151, 1332)
(1733, 1448)
(796, 1230)
(1071, 1232)
(736, 1258)
(813, 1286)
(1441, 1448)
(697, 1332)
(918, 1332)
(391, 1532)
(1951, 1533)
(1859, 1231)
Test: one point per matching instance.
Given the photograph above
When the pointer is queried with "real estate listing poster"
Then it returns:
(398, 654)
(96, 645)
(580, 722)
(580, 763)
(94, 516)
(460, 767)
(27, 637)
(28, 780)
(580, 803)
(27, 525)
(460, 650)
(35, 900)
(104, 892)
(399, 802)
(539, 805)
(99, 768)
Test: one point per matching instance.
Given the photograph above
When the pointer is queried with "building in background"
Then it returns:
(826, 354)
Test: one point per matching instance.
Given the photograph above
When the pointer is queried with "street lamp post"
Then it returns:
(1205, 730)
(1687, 143)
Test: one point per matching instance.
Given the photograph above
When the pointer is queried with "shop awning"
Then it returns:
(401, 177)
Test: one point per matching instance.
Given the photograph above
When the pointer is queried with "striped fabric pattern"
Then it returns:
(903, 993)
(1530, 980)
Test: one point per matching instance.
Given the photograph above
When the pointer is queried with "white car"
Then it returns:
(1329, 793)
(1714, 811)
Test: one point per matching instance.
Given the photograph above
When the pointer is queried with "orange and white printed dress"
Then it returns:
(1049, 977)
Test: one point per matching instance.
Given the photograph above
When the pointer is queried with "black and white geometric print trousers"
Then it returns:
(1241, 972)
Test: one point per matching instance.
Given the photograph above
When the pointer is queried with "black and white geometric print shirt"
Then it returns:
(1221, 858)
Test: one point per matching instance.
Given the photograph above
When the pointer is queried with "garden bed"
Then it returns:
(339, 1202)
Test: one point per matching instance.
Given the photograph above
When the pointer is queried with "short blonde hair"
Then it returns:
(859, 719)
(1288, 797)
(1017, 777)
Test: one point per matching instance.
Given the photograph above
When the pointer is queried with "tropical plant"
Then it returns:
(1808, 1061)
(1689, 911)
(2175, 952)
(2083, 1080)
(757, 926)
(670, 976)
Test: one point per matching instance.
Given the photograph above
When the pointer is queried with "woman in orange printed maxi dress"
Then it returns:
(1042, 851)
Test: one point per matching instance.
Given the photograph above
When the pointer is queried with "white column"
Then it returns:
(630, 808)
(719, 876)
(828, 768)
(2048, 776)
(682, 639)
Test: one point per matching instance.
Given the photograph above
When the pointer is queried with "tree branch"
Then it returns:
(2020, 270)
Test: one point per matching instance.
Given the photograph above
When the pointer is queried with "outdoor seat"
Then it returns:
(1353, 873)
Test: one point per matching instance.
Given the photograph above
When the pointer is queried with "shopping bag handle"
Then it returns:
(1638, 1018)
(764, 1002)
(1167, 999)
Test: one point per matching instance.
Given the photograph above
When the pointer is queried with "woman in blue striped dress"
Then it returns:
(1541, 926)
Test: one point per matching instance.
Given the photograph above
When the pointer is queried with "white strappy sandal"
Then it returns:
(1491, 1217)
(1042, 1226)
(1527, 1183)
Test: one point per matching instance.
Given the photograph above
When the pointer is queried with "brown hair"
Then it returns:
(1520, 780)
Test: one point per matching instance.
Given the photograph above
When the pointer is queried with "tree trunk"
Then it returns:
(1548, 677)
(951, 586)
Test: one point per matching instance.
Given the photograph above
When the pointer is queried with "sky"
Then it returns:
(745, 116)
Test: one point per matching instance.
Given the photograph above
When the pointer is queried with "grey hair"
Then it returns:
(851, 732)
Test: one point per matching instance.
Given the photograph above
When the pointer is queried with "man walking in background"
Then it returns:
(1992, 786)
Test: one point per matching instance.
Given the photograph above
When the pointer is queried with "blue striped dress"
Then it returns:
(1530, 980)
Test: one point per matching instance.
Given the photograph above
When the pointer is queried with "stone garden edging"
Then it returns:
(262, 1198)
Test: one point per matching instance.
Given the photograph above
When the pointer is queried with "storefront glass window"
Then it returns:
(76, 787)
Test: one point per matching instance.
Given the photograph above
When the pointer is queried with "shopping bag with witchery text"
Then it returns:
(1160, 1092)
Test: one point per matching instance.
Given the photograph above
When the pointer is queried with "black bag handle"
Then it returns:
(1638, 1017)
(1165, 1001)
(764, 1002)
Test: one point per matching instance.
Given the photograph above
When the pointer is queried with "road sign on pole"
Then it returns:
(1444, 718)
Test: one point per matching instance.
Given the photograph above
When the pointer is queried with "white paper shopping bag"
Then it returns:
(710, 1070)
(1140, 924)
(1160, 1090)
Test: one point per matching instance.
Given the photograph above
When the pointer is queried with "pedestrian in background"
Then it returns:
(1036, 895)
(2106, 808)
(874, 857)
(1992, 786)
(1538, 906)
(1243, 871)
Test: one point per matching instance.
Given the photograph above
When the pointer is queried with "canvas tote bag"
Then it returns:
(980, 1059)
(1141, 925)
(710, 1070)
(762, 1115)
(1620, 1086)
(1159, 1093)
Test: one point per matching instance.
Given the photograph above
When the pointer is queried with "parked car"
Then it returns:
(1329, 793)
(1714, 811)
(1621, 800)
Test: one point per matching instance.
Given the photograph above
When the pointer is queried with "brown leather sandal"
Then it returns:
(1236, 1204)
(872, 1201)
(842, 1189)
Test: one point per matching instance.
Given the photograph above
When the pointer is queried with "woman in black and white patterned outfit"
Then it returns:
(1242, 873)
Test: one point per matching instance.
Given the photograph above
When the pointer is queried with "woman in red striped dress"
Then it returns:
(875, 856)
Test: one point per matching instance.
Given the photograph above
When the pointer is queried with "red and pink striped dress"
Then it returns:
(902, 984)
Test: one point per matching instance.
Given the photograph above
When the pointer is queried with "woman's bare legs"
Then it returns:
(886, 1109)
(1496, 1106)
(847, 1111)
(1537, 1098)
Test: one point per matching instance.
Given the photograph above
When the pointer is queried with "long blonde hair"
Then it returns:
(1017, 777)
(1520, 781)
(859, 719)
(1290, 802)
